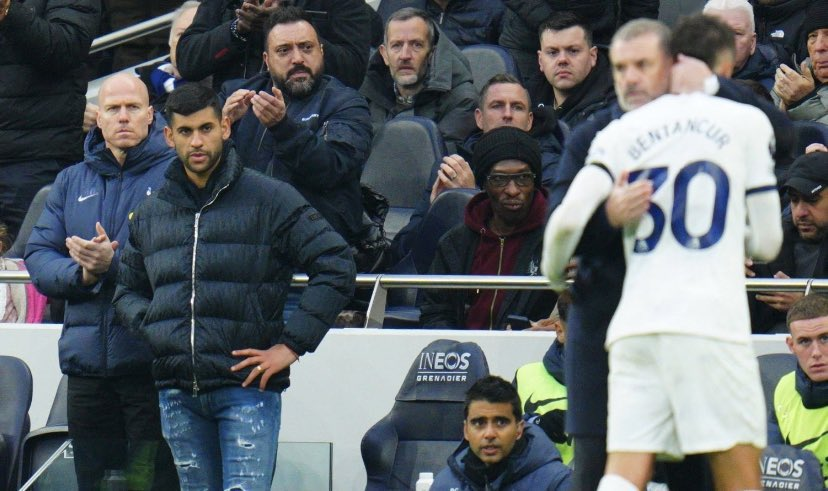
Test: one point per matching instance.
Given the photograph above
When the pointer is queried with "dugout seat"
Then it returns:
(488, 60)
(771, 368)
(425, 425)
(40, 444)
(18, 248)
(403, 153)
(15, 400)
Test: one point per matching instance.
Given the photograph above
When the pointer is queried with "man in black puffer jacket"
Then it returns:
(43, 44)
(204, 278)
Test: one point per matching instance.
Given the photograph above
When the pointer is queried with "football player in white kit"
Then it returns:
(683, 375)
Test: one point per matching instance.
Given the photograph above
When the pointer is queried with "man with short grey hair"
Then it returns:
(754, 61)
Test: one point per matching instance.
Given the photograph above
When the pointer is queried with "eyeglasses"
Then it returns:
(522, 180)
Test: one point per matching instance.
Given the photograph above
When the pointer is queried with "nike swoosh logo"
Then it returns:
(81, 199)
(532, 406)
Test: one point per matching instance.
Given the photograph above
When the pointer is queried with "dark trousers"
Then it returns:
(115, 425)
(19, 182)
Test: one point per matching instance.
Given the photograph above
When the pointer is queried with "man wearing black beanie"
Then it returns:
(502, 235)
(804, 93)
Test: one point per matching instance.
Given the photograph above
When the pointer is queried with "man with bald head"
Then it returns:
(73, 254)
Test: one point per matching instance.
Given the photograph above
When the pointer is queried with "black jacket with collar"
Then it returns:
(43, 44)
(199, 283)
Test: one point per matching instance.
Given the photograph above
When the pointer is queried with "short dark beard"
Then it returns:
(298, 89)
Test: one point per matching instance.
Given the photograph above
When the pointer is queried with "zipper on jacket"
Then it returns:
(494, 297)
(441, 18)
(193, 287)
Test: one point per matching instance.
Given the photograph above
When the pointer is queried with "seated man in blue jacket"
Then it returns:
(299, 125)
(500, 451)
(73, 254)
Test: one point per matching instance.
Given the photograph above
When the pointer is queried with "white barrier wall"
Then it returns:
(338, 392)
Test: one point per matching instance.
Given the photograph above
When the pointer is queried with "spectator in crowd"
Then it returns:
(541, 384)
(465, 22)
(204, 278)
(800, 401)
(125, 13)
(302, 126)
(12, 296)
(500, 451)
(801, 93)
(804, 251)
(779, 24)
(523, 19)
(42, 96)
(502, 235)
(163, 77)
(503, 102)
(706, 38)
(753, 61)
(226, 38)
(418, 71)
(73, 254)
(574, 76)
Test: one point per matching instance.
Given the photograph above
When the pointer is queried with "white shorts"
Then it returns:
(676, 394)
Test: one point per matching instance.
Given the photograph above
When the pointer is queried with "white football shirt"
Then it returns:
(685, 257)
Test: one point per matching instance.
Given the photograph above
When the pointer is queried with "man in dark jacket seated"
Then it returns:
(500, 451)
(502, 235)
(73, 254)
(226, 38)
(574, 77)
(299, 125)
(204, 278)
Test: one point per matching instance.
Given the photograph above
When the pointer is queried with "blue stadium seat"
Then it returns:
(15, 400)
(771, 368)
(487, 60)
(426, 422)
(808, 132)
(32, 214)
(402, 155)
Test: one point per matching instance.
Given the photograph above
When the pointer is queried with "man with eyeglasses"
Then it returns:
(301, 126)
(502, 235)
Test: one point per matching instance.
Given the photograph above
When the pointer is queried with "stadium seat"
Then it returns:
(771, 368)
(402, 155)
(15, 400)
(487, 60)
(808, 132)
(426, 422)
(40, 444)
(32, 215)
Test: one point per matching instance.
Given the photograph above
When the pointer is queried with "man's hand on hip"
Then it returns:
(264, 362)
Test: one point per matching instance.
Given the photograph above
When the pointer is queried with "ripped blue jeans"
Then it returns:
(223, 439)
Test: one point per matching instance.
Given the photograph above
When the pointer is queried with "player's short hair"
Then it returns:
(565, 20)
(191, 98)
(502, 78)
(493, 389)
(743, 5)
(808, 307)
(405, 14)
(641, 27)
(704, 37)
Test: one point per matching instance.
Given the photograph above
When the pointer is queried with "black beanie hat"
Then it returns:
(505, 143)
(816, 17)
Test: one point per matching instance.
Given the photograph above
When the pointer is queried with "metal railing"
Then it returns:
(132, 32)
(381, 283)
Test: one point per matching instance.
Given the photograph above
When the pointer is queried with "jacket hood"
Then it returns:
(447, 68)
(761, 64)
(553, 361)
(139, 158)
(537, 452)
(479, 211)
